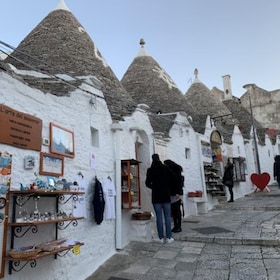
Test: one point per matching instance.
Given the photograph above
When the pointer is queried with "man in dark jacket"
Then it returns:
(228, 179)
(159, 179)
(276, 169)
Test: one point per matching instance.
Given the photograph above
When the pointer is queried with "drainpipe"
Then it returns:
(117, 128)
(198, 139)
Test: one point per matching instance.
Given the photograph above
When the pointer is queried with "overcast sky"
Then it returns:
(219, 37)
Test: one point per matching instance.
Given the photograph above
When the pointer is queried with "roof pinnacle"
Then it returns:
(196, 80)
(195, 73)
(62, 6)
(142, 43)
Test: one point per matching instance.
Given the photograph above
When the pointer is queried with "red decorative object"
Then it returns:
(195, 194)
(198, 193)
(191, 194)
(260, 180)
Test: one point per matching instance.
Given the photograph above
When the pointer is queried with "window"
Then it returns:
(94, 137)
(187, 153)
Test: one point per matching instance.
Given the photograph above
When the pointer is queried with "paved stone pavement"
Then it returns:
(234, 241)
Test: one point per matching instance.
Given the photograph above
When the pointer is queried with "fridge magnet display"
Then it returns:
(2, 202)
(5, 164)
(5, 183)
(29, 162)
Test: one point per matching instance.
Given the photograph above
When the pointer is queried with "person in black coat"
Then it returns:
(276, 169)
(228, 178)
(176, 192)
(159, 179)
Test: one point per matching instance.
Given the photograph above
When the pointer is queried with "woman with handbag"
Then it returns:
(228, 178)
(176, 192)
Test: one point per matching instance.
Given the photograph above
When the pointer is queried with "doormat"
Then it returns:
(117, 278)
(211, 230)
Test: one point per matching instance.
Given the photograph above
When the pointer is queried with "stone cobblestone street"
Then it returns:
(234, 241)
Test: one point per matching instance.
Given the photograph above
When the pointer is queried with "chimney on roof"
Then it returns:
(227, 87)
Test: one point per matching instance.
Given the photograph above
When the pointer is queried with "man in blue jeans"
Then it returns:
(276, 169)
(159, 179)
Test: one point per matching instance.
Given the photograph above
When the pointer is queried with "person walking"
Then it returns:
(276, 169)
(159, 179)
(176, 193)
(228, 178)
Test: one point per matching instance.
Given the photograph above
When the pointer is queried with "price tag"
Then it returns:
(76, 249)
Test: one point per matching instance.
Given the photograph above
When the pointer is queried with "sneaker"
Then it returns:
(169, 240)
(158, 240)
(174, 229)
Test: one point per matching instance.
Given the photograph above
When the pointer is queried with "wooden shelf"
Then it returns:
(212, 181)
(45, 192)
(43, 254)
(130, 183)
(26, 228)
(216, 192)
(21, 224)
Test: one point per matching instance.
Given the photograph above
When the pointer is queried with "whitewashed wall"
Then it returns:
(77, 114)
(238, 149)
(182, 136)
(136, 130)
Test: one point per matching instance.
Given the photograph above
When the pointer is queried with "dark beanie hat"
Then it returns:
(155, 157)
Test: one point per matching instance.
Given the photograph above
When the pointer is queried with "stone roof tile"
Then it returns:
(59, 44)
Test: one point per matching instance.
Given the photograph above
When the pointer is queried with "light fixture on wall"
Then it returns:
(92, 100)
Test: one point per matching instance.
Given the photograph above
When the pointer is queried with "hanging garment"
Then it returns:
(109, 194)
(98, 202)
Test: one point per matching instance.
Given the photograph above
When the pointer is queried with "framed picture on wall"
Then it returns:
(51, 164)
(62, 141)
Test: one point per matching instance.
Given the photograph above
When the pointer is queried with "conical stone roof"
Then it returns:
(162, 123)
(243, 119)
(147, 82)
(61, 41)
(201, 97)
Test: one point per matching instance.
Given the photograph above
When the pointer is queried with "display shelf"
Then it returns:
(52, 216)
(130, 184)
(213, 180)
(43, 254)
(17, 264)
(22, 224)
(44, 191)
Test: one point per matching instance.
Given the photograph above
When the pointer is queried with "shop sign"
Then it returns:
(19, 129)
(206, 149)
(216, 137)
